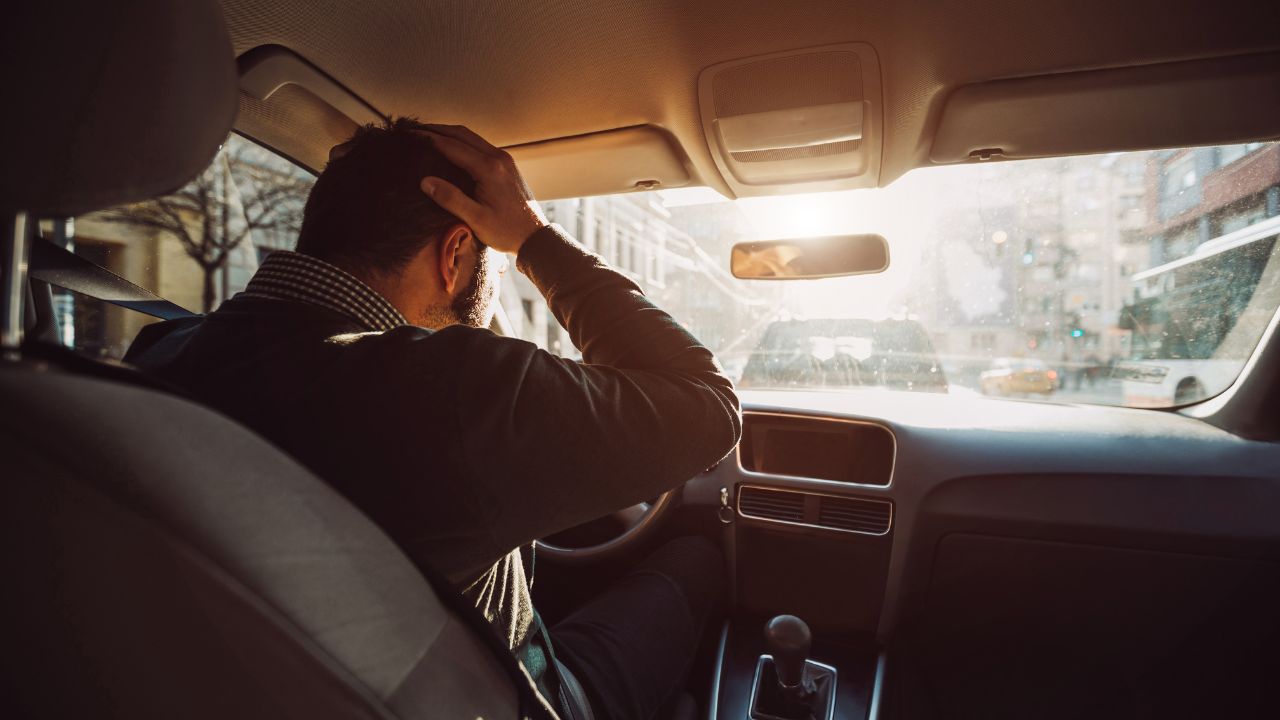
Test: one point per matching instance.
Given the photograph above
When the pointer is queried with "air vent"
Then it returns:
(828, 512)
(765, 504)
(872, 517)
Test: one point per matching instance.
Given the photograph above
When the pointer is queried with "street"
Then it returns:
(1102, 392)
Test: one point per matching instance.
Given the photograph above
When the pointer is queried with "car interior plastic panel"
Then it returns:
(1145, 536)
(1251, 406)
(1197, 102)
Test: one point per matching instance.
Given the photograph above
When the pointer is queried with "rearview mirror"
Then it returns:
(809, 258)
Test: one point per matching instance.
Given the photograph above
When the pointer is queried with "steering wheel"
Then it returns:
(640, 520)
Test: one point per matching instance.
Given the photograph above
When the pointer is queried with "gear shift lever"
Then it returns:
(788, 639)
(788, 685)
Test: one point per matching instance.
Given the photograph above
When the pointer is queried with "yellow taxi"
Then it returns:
(1018, 376)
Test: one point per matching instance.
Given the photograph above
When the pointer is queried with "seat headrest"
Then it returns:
(111, 102)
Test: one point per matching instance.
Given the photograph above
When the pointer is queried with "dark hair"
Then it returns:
(366, 211)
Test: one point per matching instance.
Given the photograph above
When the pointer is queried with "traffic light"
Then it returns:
(1077, 332)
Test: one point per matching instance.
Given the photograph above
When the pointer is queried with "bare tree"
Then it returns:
(243, 191)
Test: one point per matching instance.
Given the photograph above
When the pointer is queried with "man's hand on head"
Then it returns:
(503, 213)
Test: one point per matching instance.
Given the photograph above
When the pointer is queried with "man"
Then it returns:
(364, 355)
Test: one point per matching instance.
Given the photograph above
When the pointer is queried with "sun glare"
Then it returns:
(892, 212)
(906, 213)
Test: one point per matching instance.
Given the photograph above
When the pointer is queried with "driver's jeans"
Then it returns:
(632, 645)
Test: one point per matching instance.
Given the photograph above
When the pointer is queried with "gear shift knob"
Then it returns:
(788, 639)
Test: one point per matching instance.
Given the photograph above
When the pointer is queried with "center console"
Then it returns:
(808, 520)
(777, 671)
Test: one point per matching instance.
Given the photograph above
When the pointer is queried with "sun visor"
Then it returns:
(296, 109)
(796, 121)
(1214, 101)
(643, 157)
(266, 70)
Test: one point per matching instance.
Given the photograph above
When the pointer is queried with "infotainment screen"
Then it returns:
(842, 451)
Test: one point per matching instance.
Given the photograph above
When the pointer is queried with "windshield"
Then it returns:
(1142, 278)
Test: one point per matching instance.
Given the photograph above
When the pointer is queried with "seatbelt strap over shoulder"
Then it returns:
(573, 698)
(65, 269)
(555, 681)
(533, 706)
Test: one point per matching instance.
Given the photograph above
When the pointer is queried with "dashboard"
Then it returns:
(987, 542)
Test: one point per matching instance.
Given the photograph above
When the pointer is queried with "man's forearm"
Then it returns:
(647, 410)
(607, 315)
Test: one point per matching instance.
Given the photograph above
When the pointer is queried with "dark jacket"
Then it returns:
(461, 444)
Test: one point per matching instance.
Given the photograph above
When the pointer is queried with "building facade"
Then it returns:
(1197, 194)
(684, 271)
(1050, 244)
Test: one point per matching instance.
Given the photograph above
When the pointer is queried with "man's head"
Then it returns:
(367, 214)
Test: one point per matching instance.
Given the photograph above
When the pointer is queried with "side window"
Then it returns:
(195, 247)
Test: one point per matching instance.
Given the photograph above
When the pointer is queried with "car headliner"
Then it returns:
(524, 72)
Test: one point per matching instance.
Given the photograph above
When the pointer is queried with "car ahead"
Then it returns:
(845, 353)
(1018, 376)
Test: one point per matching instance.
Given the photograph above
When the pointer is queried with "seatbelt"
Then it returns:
(539, 658)
(61, 267)
(533, 706)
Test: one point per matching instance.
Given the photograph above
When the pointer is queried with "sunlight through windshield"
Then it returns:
(1140, 278)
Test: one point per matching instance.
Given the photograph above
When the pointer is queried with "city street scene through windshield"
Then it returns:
(1140, 278)
(1143, 278)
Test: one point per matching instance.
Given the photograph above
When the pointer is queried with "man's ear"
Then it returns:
(452, 250)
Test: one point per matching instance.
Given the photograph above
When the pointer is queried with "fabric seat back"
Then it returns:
(162, 561)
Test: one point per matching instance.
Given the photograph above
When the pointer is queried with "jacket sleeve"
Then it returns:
(552, 443)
